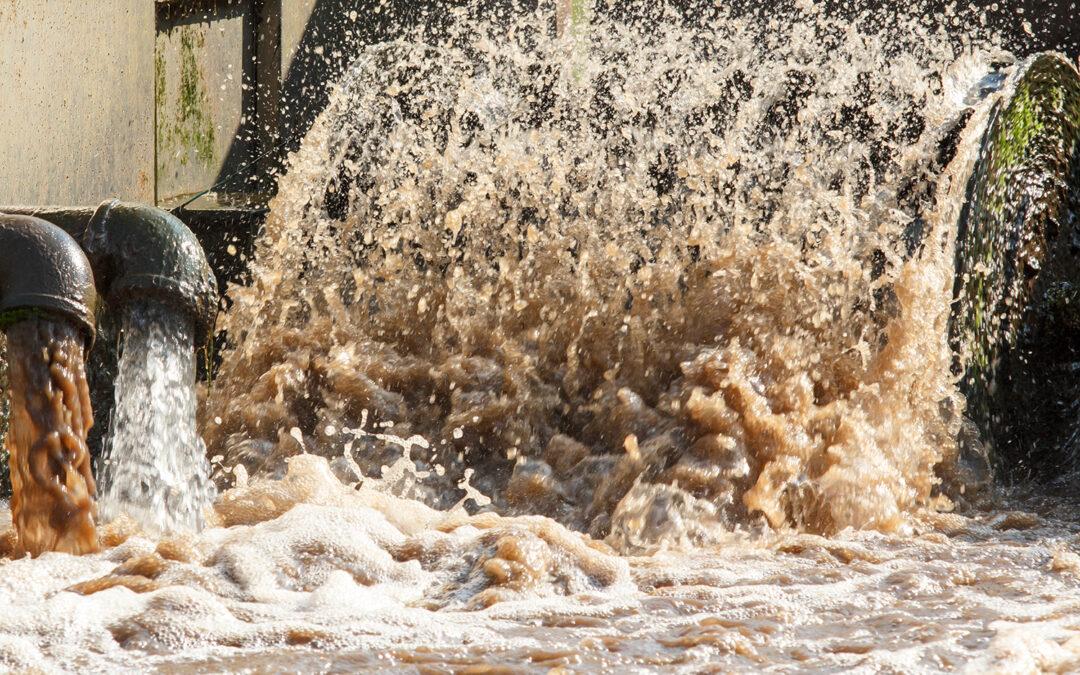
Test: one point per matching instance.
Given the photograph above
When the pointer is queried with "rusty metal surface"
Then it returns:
(77, 109)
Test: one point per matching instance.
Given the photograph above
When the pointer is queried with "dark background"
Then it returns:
(1054, 24)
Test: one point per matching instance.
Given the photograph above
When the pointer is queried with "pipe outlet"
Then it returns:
(140, 252)
(42, 269)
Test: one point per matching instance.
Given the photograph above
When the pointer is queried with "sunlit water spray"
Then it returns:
(155, 466)
(702, 269)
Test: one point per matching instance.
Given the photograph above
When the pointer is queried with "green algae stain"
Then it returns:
(160, 98)
(185, 127)
(10, 316)
(1004, 231)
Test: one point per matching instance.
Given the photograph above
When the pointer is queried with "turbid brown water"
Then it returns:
(308, 575)
(619, 354)
(52, 504)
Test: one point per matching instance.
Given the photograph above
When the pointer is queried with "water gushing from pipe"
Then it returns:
(52, 505)
(155, 468)
(688, 265)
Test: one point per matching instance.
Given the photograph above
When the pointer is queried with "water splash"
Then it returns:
(155, 466)
(711, 261)
(520, 372)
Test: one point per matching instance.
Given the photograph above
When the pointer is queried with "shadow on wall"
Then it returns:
(331, 41)
(334, 35)
(1026, 26)
(338, 30)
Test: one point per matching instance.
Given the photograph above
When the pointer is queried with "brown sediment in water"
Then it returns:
(52, 504)
(793, 366)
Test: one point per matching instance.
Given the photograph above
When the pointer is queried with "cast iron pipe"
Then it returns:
(42, 269)
(1016, 310)
(139, 251)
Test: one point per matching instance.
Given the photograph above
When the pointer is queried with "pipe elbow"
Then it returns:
(42, 269)
(139, 251)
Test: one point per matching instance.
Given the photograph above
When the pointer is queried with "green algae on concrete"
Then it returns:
(206, 112)
(1018, 271)
(185, 125)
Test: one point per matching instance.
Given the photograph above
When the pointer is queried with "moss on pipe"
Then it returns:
(1018, 265)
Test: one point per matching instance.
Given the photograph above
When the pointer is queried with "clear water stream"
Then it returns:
(155, 467)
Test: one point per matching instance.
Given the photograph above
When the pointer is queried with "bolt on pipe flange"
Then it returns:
(42, 269)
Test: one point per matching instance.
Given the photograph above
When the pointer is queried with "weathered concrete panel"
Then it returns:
(77, 110)
(204, 95)
(294, 21)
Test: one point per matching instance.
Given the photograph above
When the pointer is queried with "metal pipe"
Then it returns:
(42, 269)
(69, 219)
(1015, 319)
(138, 251)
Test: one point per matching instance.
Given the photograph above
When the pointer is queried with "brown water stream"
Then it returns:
(53, 502)
(698, 270)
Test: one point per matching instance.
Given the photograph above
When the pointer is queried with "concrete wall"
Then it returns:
(136, 99)
(201, 64)
(77, 105)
